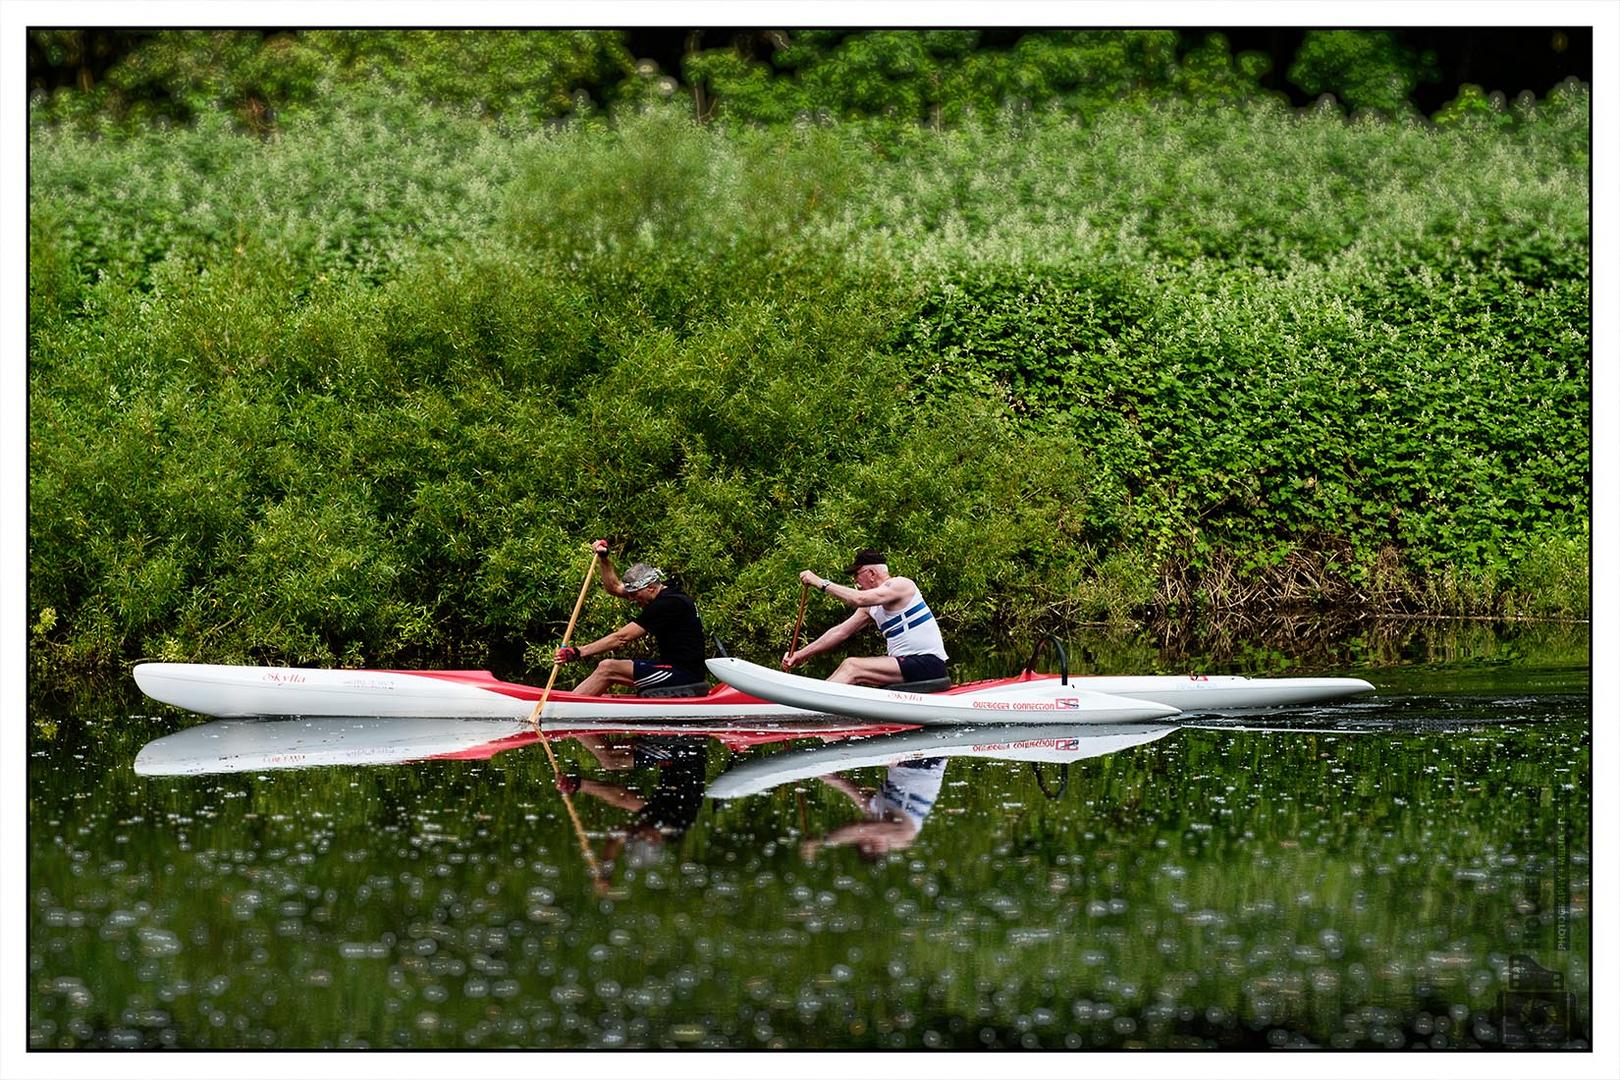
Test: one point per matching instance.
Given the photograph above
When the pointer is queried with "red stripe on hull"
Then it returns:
(484, 680)
(731, 740)
(721, 694)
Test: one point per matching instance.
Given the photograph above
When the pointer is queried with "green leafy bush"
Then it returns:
(259, 79)
(943, 77)
(1366, 69)
(289, 400)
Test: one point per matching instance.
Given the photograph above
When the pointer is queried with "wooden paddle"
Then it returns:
(539, 706)
(804, 598)
(590, 572)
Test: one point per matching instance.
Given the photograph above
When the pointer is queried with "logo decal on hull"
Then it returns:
(279, 677)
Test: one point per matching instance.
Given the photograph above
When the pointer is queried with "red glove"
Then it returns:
(567, 655)
(599, 546)
(567, 784)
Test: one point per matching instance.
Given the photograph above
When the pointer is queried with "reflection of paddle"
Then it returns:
(804, 598)
(539, 706)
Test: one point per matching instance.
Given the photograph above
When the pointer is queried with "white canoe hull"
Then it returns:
(228, 690)
(1020, 701)
(225, 690)
(1090, 698)
(1222, 693)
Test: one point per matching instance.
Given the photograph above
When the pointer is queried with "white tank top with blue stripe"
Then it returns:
(911, 631)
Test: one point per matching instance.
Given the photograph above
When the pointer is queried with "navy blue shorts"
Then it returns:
(921, 666)
(649, 674)
(662, 751)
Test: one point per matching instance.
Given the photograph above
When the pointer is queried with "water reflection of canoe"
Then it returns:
(244, 745)
(1010, 742)
(1035, 698)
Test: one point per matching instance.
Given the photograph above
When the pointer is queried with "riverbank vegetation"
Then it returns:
(356, 388)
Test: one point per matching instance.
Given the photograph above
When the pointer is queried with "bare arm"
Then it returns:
(839, 634)
(612, 794)
(887, 593)
(858, 795)
(624, 635)
(610, 576)
(875, 836)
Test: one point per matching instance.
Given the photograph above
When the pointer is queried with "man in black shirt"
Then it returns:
(667, 613)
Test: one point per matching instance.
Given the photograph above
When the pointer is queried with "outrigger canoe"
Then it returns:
(224, 690)
(1018, 700)
(1035, 698)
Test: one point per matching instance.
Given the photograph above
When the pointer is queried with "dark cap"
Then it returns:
(866, 557)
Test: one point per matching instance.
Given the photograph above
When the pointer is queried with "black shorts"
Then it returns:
(649, 674)
(921, 666)
(662, 751)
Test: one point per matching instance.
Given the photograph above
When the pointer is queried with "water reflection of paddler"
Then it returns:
(679, 763)
(894, 811)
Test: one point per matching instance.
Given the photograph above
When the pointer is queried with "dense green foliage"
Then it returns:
(944, 76)
(1367, 69)
(1378, 345)
(295, 400)
(111, 78)
(262, 79)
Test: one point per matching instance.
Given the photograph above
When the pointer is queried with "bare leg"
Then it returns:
(867, 671)
(609, 753)
(608, 673)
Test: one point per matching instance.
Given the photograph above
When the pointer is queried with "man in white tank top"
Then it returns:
(916, 649)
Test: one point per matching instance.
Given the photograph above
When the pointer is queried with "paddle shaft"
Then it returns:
(804, 598)
(539, 706)
(545, 743)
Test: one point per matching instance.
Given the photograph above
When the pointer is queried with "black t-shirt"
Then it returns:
(672, 620)
(682, 763)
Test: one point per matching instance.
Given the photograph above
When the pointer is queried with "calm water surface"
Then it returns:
(1407, 869)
